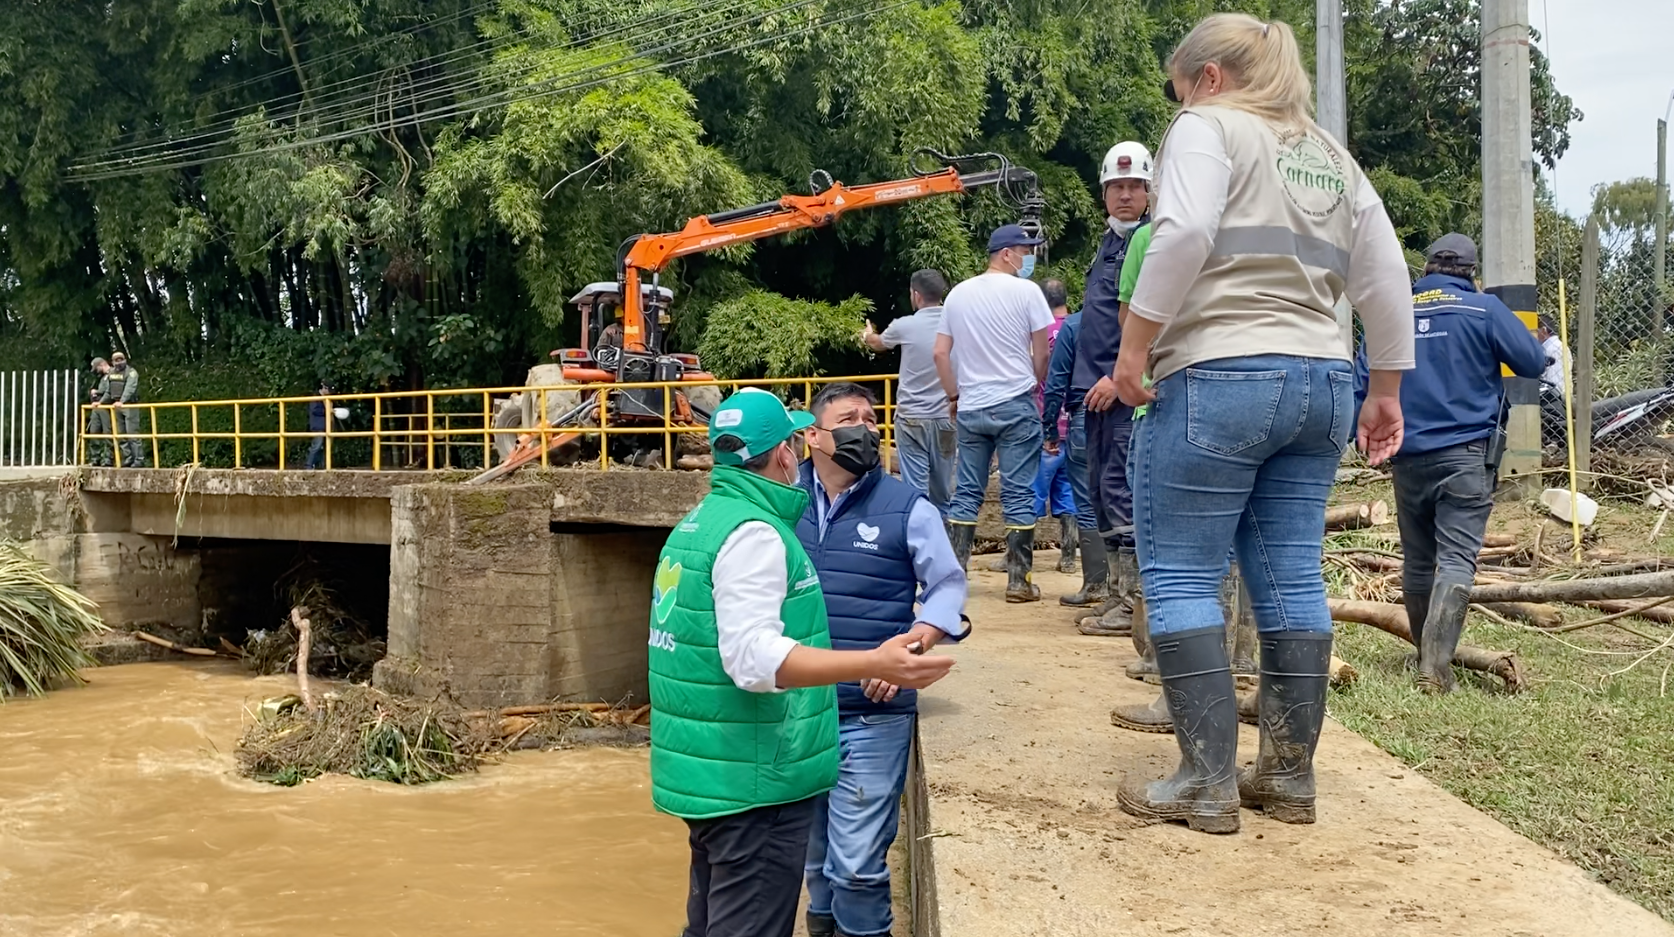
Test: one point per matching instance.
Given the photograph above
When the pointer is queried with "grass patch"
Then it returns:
(1582, 763)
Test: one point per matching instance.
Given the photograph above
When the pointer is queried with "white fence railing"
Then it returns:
(39, 413)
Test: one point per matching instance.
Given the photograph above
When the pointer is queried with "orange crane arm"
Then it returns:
(653, 252)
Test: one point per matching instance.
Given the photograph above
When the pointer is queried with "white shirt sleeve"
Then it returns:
(749, 582)
(1193, 179)
(1377, 284)
(1040, 314)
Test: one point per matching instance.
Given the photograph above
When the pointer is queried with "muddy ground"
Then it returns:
(1023, 766)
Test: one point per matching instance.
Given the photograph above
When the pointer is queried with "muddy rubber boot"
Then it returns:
(1295, 671)
(997, 564)
(1020, 564)
(1449, 601)
(1145, 667)
(1418, 609)
(1095, 572)
(963, 537)
(1249, 708)
(1068, 539)
(821, 925)
(1203, 791)
(1151, 717)
(1241, 635)
(1117, 620)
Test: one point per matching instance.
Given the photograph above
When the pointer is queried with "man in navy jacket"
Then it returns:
(1451, 404)
(880, 549)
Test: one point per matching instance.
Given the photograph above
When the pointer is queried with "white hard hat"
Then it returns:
(342, 413)
(1126, 160)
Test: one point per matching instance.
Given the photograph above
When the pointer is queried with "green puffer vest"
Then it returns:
(717, 750)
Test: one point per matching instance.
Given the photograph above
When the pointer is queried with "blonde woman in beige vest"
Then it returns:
(1263, 222)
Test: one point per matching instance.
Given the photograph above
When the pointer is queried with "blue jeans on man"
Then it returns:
(1053, 495)
(925, 451)
(1012, 430)
(1239, 453)
(847, 868)
(1075, 448)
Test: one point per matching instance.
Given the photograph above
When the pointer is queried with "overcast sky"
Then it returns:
(1616, 59)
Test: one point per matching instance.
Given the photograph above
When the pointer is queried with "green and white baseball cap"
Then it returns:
(756, 418)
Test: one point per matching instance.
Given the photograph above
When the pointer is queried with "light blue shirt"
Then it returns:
(941, 582)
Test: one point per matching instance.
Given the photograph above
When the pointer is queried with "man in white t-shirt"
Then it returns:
(991, 354)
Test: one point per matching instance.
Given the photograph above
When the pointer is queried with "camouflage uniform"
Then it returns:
(121, 385)
(98, 426)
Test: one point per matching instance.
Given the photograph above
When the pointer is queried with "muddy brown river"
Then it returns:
(120, 814)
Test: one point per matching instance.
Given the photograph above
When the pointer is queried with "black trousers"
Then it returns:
(747, 871)
(1442, 501)
(1109, 435)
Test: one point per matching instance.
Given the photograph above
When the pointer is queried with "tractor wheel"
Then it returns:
(557, 404)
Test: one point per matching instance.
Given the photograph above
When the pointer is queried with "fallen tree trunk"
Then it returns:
(165, 642)
(1661, 613)
(1356, 516)
(1541, 616)
(1578, 591)
(1393, 619)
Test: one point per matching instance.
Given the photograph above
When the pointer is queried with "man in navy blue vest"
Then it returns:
(879, 547)
(1125, 182)
(1451, 404)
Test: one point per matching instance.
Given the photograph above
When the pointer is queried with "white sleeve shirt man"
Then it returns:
(992, 319)
(750, 580)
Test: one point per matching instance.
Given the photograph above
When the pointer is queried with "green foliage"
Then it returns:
(762, 334)
(1626, 205)
(42, 625)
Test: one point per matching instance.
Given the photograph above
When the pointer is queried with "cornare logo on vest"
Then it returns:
(664, 586)
(1312, 175)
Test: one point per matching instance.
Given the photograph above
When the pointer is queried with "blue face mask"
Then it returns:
(1028, 269)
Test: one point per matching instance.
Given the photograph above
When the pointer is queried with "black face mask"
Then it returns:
(1169, 93)
(855, 449)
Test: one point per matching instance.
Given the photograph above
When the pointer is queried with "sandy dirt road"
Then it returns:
(1022, 765)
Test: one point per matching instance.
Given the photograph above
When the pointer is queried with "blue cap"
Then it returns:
(1010, 235)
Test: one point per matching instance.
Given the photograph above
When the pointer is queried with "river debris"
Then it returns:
(366, 733)
(43, 623)
(344, 646)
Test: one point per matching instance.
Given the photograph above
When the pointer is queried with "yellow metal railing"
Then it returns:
(401, 430)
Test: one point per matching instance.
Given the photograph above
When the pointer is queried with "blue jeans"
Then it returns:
(1013, 430)
(1239, 453)
(1077, 471)
(848, 848)
(1052, 485)
(925, 451)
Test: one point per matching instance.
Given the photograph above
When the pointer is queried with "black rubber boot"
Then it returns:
(1203, 792)
(963, 537)
(1295, 671)
(1020, 564)
(1116, 621)
(1449, 601)
(1068, 539)
(821, 925)
(1145, 667)
(1095, 572)
(1418, 609)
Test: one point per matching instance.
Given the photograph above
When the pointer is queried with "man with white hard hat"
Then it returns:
(1125, 180)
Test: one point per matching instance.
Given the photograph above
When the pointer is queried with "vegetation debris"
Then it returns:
(43, 623)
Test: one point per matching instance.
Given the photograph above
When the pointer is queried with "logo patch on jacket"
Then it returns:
(663, 590)
(867, 532)
(1424, 325)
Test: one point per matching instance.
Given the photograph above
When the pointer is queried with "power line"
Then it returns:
(200, 155)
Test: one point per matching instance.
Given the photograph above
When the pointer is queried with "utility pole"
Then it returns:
(1659, 258)
(1331, 106)
(1508, 247)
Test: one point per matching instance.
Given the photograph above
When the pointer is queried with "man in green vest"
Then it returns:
(743, 714)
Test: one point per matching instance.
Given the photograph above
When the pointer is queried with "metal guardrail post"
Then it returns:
(238, 438)
(197, 456)
(377, 434)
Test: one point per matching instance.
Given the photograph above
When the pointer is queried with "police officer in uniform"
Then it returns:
(121, 387)
(1444, 470)
(98, 419)
(1125, 179)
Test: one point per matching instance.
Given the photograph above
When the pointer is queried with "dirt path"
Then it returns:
(1022, 765)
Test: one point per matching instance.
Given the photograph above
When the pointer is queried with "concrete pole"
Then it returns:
(1508, 246)
(1331, 108)
(1586, 318)
(1659, 261)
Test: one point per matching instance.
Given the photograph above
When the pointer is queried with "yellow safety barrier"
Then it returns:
(400, 430)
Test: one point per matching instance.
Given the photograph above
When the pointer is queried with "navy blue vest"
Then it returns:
(866, 572)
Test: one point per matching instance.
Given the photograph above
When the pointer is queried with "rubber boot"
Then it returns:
(1418, 609)
(1449, 601)
(1203, 791)
(1095, 572)
(963, 537)
(1295, 671)
(1068, 538)
(1241, 635)
(1020, 563)
(1145, 666)
(1117, 620)
(997, 564)
(1149, 717)
(821, 925)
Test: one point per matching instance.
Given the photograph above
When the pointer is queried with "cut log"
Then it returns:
(1393, 619)
(1499, 540)
(1577, 591)
(1342, 672)
(1541, 616)
(1662, 613)
(165, 642)
(304, 636)
(1356, 516)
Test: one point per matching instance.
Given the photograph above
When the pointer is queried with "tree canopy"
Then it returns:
(251, 196)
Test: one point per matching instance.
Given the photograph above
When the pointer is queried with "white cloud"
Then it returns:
(1613, 57)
